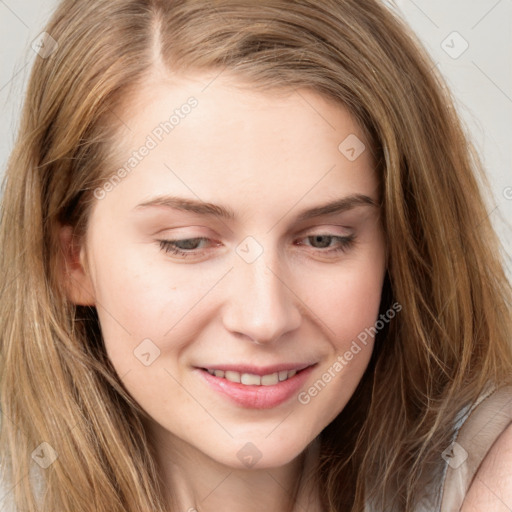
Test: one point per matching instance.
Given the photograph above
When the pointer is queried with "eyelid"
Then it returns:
(175, 230)
(326, 229)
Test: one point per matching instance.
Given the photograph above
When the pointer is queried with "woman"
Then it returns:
(173, 336)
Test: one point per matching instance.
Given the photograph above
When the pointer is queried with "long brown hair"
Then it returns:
(449, 342)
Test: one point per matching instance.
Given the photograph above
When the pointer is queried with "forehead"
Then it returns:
(211, 134)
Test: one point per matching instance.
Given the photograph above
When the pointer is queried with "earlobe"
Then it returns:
(74, 274)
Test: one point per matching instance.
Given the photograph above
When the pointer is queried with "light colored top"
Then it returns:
(476, 430)
(476, 433)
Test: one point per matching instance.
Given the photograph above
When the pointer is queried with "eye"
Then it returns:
(344, 242)
(190, 246)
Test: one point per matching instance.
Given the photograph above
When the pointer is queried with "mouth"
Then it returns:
(253, 379)
(257, 388)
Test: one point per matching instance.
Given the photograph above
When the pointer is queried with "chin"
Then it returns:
(253, 455)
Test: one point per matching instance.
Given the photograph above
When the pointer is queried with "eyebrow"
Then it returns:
(214, 210)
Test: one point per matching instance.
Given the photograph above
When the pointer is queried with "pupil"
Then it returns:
(319, 238)
(189, 244)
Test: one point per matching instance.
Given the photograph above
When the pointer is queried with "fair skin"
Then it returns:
(268, 157)
(491, 488)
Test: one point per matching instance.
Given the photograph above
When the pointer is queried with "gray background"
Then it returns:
(480, 77)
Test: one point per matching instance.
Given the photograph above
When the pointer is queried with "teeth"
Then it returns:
(270, 380)
(250, 379)
(232, 376)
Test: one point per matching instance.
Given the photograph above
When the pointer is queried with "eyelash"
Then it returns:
(169, 246)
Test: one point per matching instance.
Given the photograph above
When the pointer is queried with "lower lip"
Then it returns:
(258, 397)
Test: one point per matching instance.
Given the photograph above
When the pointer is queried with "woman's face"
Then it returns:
(267, 279)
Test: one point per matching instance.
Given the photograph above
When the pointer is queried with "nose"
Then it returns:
(261, 304)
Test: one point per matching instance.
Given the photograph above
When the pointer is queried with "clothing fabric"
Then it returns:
(476, 432)
(477, 428)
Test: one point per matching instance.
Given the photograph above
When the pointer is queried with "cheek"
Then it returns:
(348, 304)
(347, 300)
(137, 300)
(351, 314)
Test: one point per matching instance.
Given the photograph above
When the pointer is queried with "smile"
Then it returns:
(250, 379)
(261, 388)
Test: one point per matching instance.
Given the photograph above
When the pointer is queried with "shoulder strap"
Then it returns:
(475, 438)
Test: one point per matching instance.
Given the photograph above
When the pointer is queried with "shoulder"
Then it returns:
(491, 488)
(477, 473)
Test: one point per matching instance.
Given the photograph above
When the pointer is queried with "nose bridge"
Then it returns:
(261, 306)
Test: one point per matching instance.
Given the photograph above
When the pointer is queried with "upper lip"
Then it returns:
(258, 370)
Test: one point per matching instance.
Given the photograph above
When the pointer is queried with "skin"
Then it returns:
(491, 488)
(267, 156)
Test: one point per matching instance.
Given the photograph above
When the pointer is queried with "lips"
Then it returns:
(259, 387)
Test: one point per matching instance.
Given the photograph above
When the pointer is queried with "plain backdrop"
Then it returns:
(469, 40)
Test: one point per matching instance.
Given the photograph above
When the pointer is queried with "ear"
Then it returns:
(73, 271)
